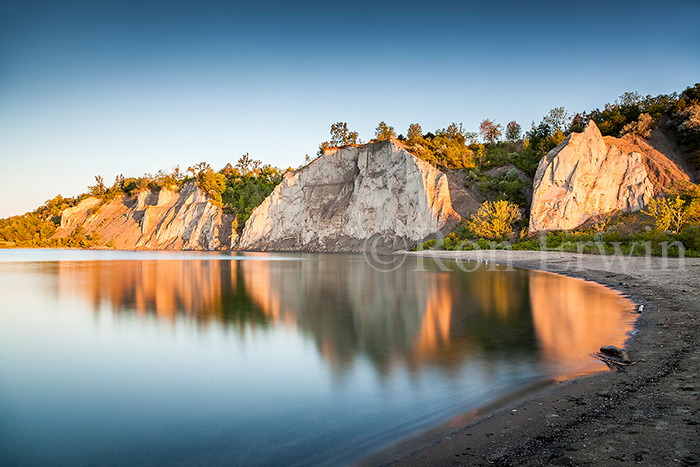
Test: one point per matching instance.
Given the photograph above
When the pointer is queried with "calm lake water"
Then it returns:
(141, 358)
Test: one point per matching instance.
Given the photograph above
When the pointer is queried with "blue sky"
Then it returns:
(102, 88)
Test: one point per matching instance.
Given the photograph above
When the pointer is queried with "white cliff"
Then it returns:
(376, 196)
(169, 219)
(584, 177)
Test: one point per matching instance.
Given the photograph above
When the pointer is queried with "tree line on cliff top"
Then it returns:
(239, 189)
(236, 189)
(494, 145)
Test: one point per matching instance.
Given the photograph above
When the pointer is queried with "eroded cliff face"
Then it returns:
(588, 175)
(376, 196)
(164, 220)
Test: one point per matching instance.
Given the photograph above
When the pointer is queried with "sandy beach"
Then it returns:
(647, 414)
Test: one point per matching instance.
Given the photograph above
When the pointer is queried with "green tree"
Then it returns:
(339, 134)
(55, 206)
(244, 194)
(671, 213)
(414, 133)
(629, 99)
(199, 167)
(453, 131)
(212, 183)
(577, 124)
(558, 119)
(383, 132)
(627, 109)
(447, 147)
(513, 131)
(322, 148)
(494, 220)
(130, 184)
(539, 141)
(98, 189)
(29, 230)
(244, 164)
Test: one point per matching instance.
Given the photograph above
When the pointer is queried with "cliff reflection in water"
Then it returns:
(406, 317)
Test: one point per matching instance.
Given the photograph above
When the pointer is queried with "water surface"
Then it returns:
(230, 359)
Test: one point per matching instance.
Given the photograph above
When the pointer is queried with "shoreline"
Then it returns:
(647, 414)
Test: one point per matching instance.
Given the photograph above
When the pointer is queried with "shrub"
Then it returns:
(212, 183)
(672, 213)
(494, 220)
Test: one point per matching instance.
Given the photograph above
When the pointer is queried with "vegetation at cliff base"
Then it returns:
(494, 220)
(670, 226)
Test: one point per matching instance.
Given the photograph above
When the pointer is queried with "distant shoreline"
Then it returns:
(647, 413)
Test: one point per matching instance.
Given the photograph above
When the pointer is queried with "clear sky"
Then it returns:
(107, 87)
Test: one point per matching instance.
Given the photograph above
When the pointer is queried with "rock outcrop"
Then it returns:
(587, 175)
(163, 220)
(377, 196)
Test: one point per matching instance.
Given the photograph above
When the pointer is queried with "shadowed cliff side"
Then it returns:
(163, 220)
(354, 199)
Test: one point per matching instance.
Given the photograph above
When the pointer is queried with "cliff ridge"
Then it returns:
(372, 197)
(168, 219)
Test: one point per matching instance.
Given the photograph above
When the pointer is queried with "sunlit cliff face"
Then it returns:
(350, 311)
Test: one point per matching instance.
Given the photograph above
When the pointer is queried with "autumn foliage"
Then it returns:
(494, 220)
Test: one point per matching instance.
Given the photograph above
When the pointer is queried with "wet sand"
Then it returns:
(647, 414)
